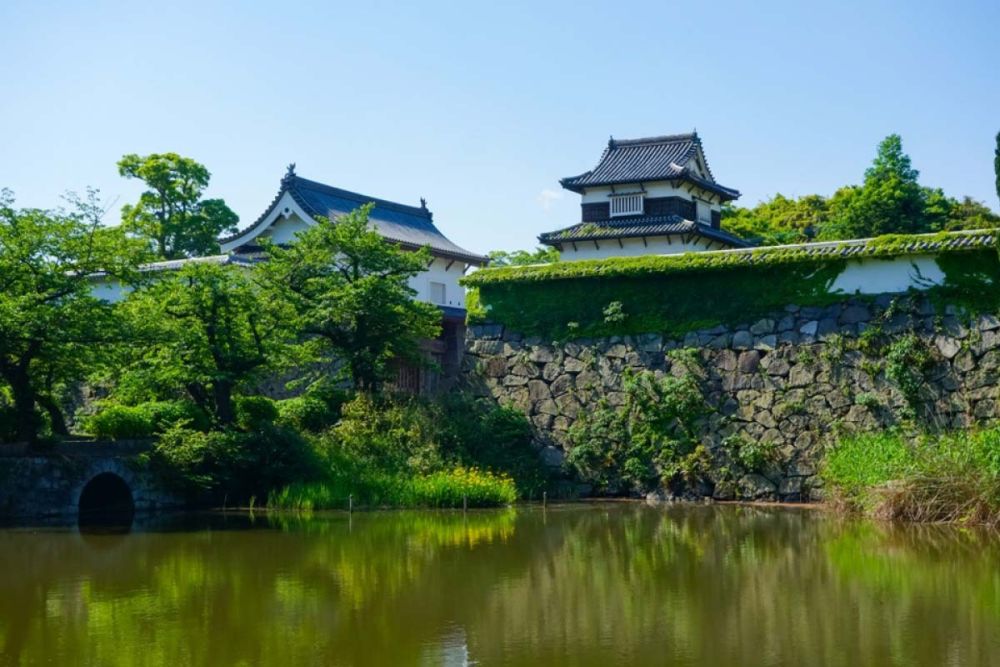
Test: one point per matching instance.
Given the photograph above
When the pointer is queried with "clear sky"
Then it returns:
(482, 107)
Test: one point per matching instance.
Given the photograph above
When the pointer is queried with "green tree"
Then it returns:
(970, 214)
(211, 333)
(779, 219)
(51, 325)
(540, 255)
(996, 164)
(171, 213)
(890, 201)
(349, 294)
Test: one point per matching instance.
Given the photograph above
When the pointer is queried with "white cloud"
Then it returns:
(546, 197)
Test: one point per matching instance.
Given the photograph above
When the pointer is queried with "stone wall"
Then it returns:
(49, 484)
(799, 379)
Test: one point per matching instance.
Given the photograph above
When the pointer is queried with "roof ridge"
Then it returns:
(357, 196)
(659, 139)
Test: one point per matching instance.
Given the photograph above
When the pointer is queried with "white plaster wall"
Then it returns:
(112, 290)
(439, 273)
(655, 189)
(881, 276)
(283, 230)
(655, 245)
(599, 195)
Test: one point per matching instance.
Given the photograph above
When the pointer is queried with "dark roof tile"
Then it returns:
(650, 225)
(411, 226)
(662, 158)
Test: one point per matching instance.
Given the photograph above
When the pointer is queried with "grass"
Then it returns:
(457, 487)
(951, 477)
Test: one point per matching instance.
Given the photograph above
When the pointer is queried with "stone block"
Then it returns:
(854, 314)
(809, 328)
(538, 390)
(552, 457)
(947, 346)
(768, 342)
(541, 354)
(562, 384)
(749, 361)
(742, 340)
(756, 487)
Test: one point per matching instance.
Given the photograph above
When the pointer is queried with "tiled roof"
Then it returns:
(651, 159)
(650, 225)
(411, 226)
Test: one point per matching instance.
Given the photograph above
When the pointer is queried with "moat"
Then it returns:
(582, 584)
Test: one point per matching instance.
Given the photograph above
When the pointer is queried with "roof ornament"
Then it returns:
(289, 173)
(423, 207)
(611, 141)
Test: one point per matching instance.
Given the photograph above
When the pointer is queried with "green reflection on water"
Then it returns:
(576, 585)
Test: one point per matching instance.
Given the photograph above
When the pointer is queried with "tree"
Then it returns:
(970, 214)
(996, 164)
(210, 333)
(349, 293)
(890, 201)
(50, 322)
(171, 214)
(779, 219)
(540, 255)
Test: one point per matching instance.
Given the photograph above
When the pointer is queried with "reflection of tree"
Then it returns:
(612, 584)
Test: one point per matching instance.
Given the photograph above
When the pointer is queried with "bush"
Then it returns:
(391, 434)
(255, 413)
(313, 411)
(214, 465)
(936, 478)
(480, 434)
(116, 422)
(456, 487)
(648, 440)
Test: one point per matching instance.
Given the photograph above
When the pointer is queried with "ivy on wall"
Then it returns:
(674, 294)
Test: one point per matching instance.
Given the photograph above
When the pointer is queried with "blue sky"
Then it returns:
(481, 108)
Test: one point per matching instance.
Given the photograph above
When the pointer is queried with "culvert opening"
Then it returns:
(106, 500)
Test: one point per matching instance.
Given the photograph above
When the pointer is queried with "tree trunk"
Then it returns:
(25, 419)
(51, 407)
(223, 391)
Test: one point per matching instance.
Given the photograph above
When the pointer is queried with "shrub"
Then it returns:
(405, 435)
(480, 434)
(312, 412)
(116, 422)
(649, 439)
(254, 413)
(394, 434)
(750, 454)
(905, 362)
(210, 466)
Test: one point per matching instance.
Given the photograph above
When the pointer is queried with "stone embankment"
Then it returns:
(798, 379)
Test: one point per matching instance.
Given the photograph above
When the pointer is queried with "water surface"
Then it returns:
(609, 584)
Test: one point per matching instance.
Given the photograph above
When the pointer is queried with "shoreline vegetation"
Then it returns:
(926, 478)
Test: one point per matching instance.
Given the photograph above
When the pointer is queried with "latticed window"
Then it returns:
(630, 204)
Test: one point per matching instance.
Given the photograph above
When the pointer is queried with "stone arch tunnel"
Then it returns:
(79, 480)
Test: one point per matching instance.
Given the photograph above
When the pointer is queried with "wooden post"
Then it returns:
(350, 504)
